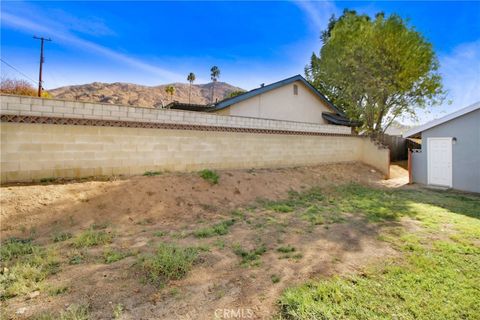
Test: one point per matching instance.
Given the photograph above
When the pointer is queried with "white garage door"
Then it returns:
(440, 161)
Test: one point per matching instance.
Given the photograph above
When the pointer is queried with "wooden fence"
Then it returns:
(398, 146)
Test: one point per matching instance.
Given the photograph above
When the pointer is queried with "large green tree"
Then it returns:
(375, 70)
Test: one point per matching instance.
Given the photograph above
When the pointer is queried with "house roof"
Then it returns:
(188, 106)
(338, 119)
(434, 123)
(252, 93)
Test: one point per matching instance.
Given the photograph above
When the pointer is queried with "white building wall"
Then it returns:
(282, 104)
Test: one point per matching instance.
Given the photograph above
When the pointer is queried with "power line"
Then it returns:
(23, 74)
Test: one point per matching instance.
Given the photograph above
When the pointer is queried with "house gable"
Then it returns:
(292, 100)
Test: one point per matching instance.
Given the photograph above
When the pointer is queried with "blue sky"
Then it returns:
(252, 42)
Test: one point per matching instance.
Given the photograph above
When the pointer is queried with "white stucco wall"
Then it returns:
(282, 104)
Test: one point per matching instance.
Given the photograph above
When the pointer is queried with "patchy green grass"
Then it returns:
(91, 238)
(99, 225)
(249, 257)
(15, 247)
(61, 236)
(436, 277)
(76, 312)
(279, 207)
(111, 255)
(73, 312)
(55, 291)
(210, 175)
(160, 234)
(152, 173)
(218, 229)
(24, 267)
(118, 311)
(312, 206)
(48, 180)
(286, 249)
(169, 262)
(275, 278)
(146, 222)
(77, 257)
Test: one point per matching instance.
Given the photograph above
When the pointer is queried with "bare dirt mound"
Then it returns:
(142, 212)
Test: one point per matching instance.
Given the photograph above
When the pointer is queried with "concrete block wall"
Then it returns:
(376, 156)
(31, 106)
(32, 151)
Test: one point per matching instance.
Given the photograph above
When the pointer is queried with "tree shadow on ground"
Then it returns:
(391, 205)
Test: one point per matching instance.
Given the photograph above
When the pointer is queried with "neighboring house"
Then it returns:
(397, 129)
(450, 154)
(292, 99)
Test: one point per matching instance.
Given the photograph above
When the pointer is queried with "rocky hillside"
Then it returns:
(144, 96)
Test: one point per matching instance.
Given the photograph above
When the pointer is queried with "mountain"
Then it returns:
(143, 96)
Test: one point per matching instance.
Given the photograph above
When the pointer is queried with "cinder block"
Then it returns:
(18, 176)
(90, 106)
(83, 111)
(9, 99)
(119, 114)
(54, 103)
(26, 100)
(110, 108)
(64, 109)
(18, 106)
(42, 108)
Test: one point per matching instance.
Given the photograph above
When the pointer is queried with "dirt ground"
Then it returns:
(137, 208)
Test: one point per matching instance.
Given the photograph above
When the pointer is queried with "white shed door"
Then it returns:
(439, 161)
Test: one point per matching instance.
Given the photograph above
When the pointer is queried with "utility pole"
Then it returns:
(42, 40)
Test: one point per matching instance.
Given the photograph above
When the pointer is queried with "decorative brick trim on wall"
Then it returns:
(151, 125)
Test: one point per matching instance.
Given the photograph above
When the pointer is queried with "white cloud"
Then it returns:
(318, 12)
(62, 34)
(461, 74)
(460, 70)
(90, 25)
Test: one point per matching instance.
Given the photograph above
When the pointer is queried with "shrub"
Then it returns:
(169, 262)
(210, 176)
(15, 86)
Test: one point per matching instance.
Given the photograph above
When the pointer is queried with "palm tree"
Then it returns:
(214, 74)
(190, 78)
(171, 91)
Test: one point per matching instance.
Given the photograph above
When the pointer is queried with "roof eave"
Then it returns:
(434, 123)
